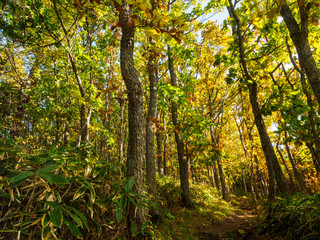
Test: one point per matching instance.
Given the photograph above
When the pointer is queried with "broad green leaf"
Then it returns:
(92, 192)
(134, 228)
(123, 201)
(21, 176)
(132, 200)
(49, 168)
(144, 226)
(76, 219)
(80, 192)
(129, 184)
(74, 229)
(56, 217)
(45, 220)
(52, 178)
(118, 214)
(83, 217)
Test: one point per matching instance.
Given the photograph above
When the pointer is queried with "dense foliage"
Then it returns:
(106, 105)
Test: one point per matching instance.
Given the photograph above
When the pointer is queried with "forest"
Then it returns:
(154, 119)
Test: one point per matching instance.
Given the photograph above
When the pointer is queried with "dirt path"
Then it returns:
(237, 226)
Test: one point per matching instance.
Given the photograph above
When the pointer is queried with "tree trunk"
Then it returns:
(293, 186)
(152, 115)
(159, 152)
(244, 183)
(271, 158)
(264, 188)
(225, 195)
(299, 36)
(136, 120)
(216, 175)
(183, 163)
(210, 176)
(297, 174)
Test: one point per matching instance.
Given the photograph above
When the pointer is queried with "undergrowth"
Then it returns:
(58, 194)
(293, 217)
(181, 223)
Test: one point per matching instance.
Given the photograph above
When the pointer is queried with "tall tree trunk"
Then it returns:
(136, 120)
(183, 163)
(314, 131)
(273, 165)
(152, 115)
(299, 36)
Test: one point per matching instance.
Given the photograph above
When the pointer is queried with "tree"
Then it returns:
(274, 169)
(299, 36)
(136, 144)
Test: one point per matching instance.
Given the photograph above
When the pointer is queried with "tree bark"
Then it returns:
(152, 115)
(183, 163)
(136, 120)
(299, 36)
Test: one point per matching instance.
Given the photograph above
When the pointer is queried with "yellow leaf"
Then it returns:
(144, 6)
(315, 21)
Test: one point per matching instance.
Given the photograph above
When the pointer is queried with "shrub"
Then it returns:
(59, 195)
(294, 217)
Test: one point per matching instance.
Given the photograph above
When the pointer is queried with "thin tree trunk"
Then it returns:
(293, 186)
(225, 195)
(273, 165)
(244, 183)
(165, 137)
(297, 174)
(210, 176)
(264, 188)
(159, 136)
(183, 163)
(136, 120)
(216, 175)
(152, 115)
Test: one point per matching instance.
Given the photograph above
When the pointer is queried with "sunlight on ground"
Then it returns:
(181, 223)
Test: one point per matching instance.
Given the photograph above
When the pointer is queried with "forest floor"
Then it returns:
(240, 225)
(212, 218)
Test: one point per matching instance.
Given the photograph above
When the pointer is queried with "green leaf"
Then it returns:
(134, 228)
(123, 201)
(132, 200)
(74, 229)
(21, 176)
(45, 220)
(76, 219)
(92, 192)
(129, 184)
(56, 217)
(144, 226)
(52, 178)
(49, 168)
(118, 214)
(83, 217)
(80, 192)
